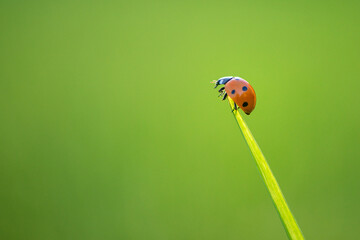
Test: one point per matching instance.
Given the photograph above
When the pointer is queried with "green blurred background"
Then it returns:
(110, 128)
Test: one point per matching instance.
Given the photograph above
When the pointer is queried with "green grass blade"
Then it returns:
(292, 229)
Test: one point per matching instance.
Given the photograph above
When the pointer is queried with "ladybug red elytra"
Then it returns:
(240, 91)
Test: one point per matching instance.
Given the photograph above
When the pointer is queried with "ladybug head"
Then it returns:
(222, 81)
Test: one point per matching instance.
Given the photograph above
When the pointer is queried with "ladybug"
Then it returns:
(240, 91)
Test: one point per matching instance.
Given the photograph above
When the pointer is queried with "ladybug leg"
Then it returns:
(222, 92)
(235, 107)
(225, 96)
(221, 89)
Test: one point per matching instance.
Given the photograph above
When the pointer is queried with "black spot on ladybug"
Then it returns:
(233, 91)
(244, 104)
(244, 88)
